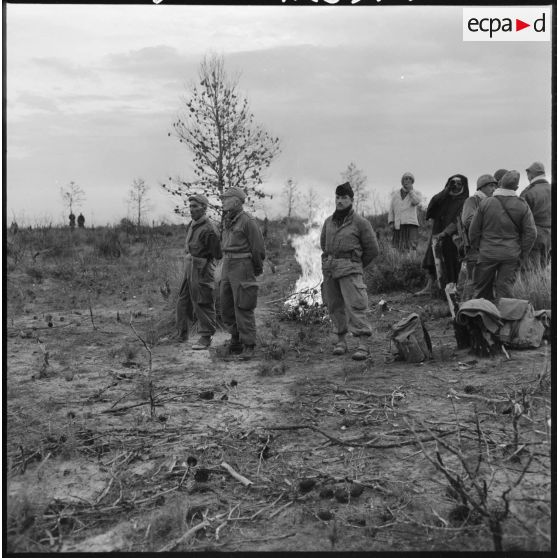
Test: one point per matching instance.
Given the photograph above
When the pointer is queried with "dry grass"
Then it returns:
(535, 285)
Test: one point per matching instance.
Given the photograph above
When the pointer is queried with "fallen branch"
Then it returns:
(125, 408)
(188, 535)
(236, 475)
(458, 395)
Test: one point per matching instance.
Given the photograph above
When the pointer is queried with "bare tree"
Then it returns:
(138, 198)
(228, 147)
(357, 179)
(310, 202)
(72, 195)
(291, 195)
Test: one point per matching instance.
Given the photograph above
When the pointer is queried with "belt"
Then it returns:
(237, 255)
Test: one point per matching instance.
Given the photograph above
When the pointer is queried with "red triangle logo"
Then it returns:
(519, 25)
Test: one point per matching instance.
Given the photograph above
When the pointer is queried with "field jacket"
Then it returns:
(241, 236)
(499, 236)
(403, 211)
(349, 247)
(539, 199)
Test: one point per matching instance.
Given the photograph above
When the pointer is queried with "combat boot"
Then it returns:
(362, 352)
(202, 343)
(340, 348)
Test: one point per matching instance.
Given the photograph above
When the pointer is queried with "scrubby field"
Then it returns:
(121, 439)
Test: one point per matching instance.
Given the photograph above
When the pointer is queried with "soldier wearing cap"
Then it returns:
(348, 244)
(243, 256)
(196, 299)
(486, 184)
(503, 231)
(539, 199)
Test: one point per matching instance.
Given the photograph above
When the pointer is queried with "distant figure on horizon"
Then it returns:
(81, 221)
(402, 215)
(72, 221)
(14, 227)
(539, 199)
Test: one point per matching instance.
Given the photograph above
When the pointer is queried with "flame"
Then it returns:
(307, 291)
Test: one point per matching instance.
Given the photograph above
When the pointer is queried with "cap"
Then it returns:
(536, 168)
(200, 198)
(510, 180)
(408, 175)
(234, 192)
(344, 190)
(499, 173)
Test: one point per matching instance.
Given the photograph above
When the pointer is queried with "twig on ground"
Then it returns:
(236, 475)
(188, 535)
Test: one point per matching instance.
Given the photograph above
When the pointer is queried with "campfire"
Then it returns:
(305, 304)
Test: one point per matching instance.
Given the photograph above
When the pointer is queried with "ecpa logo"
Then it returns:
(507, 24)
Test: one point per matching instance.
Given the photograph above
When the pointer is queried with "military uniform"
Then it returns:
(539, 199)
(196, 298)
(347, 247)
(243, 255)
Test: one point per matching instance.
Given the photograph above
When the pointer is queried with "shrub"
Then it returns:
(393, 270)
(535, 285)
(109, 246)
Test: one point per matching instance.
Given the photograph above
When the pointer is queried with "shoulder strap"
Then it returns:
(507, 213)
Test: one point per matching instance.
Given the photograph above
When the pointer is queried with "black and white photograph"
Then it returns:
(278, 277)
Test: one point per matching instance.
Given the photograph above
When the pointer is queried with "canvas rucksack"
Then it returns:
(411, 339)
(522, 328)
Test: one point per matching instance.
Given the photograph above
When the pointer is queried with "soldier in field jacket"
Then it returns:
(196, 299)
(243, 257)
(503, 231)
(348, 244)
(539, 199)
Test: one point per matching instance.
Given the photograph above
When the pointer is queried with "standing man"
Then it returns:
(243, 256)
(72, 220)
(402, 216)
(538, 198)
(486, 184)
(195, 299)
(81, 221)
(503, 231)
(348, 244)
(444, 209)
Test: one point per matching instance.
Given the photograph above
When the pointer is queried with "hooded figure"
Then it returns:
(444, 209)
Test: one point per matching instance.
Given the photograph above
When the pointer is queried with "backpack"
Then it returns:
(411, 339)
(522, 328)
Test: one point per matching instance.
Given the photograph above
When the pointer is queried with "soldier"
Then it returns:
(486, 184)
(538, 198)
(196, 292)
(348, 244)
(503, 231)
(81, 221)
(243, 256)
(72, 221)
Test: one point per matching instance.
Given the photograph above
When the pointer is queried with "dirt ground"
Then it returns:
(117, 435)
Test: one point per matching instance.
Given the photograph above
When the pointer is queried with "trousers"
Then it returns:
(239, 298)
(195, 298)
(495, 279)
(347, 302)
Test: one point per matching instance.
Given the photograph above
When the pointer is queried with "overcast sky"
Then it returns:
(92, 91)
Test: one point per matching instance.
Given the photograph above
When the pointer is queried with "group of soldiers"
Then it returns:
(485, 239)
(489, 235)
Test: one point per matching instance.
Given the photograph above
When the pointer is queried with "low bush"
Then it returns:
(535, 285)
(393, 270)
